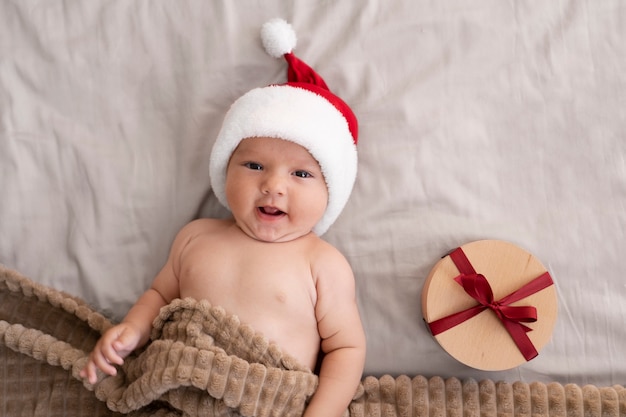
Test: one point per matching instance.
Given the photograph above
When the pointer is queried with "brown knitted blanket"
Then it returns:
(204, 362)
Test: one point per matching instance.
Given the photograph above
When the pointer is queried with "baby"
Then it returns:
(284, 163)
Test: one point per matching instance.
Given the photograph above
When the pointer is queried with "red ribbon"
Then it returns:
(512, 317)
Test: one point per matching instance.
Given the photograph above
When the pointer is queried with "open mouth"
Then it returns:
(271, 211)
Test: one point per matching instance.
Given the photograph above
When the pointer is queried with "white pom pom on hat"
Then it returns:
(303, 111)
(278, 37)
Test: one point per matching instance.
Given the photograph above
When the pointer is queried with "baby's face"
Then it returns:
(275, 189)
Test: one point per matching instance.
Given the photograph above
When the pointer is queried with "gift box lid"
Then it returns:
(486, 333)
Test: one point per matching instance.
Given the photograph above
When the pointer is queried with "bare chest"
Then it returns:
(250, 281)
(268, 286)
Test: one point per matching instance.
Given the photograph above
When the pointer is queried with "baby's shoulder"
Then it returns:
(326, 256)
(204, 225)
(202, 228)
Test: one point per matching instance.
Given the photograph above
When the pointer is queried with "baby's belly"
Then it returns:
(298, 339)
(287, 321)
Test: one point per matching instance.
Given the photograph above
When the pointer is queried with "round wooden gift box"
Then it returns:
(482, 341)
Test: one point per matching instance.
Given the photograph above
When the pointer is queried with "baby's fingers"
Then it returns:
(104, 360)
(125, 343)
(89, 372)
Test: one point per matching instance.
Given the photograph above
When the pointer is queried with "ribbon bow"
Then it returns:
(512, 317)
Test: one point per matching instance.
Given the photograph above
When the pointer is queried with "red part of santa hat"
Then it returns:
(303, 111)
(299, 74)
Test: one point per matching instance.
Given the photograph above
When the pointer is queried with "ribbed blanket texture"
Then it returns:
(202, 361)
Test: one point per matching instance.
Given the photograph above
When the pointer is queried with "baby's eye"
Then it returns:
(302, 174)
(254, 166)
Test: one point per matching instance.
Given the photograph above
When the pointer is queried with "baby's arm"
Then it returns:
(134, 331)
(343, 340)
(120, 340)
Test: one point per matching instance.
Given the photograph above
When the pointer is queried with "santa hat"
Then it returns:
(303, 111)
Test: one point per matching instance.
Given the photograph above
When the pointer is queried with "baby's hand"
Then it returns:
(114, 345)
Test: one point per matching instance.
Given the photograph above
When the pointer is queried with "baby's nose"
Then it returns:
(274, 184)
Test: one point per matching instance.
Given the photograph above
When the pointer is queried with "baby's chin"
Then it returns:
(289, 237)
(276, 236)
